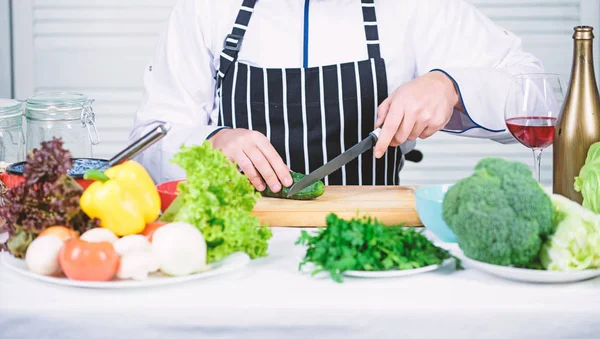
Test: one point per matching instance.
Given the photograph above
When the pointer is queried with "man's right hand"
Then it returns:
(255, 155)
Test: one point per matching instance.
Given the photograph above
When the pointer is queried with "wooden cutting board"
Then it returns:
(391, 205)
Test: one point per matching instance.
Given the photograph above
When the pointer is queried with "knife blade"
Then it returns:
(339, 161)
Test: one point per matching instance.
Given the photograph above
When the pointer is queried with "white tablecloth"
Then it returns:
(271, 299)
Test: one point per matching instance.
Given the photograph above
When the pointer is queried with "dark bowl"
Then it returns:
(14, 173)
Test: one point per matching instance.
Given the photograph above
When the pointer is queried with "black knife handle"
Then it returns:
(414, 156)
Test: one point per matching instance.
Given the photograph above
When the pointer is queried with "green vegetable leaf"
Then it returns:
(575, 243)
(588, 181)
(364, 244)
(218, 200)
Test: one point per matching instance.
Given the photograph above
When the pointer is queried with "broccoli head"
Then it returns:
(500, 214)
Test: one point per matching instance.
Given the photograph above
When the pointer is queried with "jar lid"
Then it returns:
(56, 106)
(10, 108)
(60, 100)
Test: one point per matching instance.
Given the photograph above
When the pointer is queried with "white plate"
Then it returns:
(529, 275)
(230, 263)
(391, 273)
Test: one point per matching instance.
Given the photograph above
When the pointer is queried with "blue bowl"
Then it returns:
(428, 201)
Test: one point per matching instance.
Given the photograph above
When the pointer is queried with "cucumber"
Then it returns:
(311, 192)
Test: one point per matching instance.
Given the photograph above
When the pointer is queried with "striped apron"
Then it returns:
(310, 115)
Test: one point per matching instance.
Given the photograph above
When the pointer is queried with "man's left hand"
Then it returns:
(417, 109)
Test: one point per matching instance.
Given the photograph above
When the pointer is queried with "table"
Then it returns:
(270, 298)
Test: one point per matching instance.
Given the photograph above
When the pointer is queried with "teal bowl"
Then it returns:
(428, 200)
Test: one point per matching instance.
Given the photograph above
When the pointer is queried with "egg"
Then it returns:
(42, 255)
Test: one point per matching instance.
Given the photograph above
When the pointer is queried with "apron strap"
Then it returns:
(233, 41)
(371, 31)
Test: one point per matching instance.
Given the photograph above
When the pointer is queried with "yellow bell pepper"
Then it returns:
(123, 198)
(134, 178)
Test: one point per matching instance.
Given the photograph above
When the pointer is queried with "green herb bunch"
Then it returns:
(364, 244)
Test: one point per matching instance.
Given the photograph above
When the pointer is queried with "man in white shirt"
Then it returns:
(281, 85)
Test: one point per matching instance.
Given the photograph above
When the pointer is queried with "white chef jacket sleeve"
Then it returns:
(454, 37)
(179, 89)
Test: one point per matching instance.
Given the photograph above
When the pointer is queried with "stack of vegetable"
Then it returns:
(218, 200)
(175, 249)
(501, 215)
(111, 230)
(363, 244)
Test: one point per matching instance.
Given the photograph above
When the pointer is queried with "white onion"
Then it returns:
(42, 255)
(180, 249)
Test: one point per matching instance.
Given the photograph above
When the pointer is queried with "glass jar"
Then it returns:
(68, 116)
(12, 140)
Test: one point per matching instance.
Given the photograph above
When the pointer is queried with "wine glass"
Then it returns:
(533, 107)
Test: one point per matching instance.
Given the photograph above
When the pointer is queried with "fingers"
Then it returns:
(264, 168)
(382, 112)
(417, 129)
(256, 157)
(404, 130)
(249, 170)
(390, 126)
(438, 122)
(429, 131)
(274, 159)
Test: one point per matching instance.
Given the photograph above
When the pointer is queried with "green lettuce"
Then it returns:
(575, 242)
(588, 181)
(218, 200)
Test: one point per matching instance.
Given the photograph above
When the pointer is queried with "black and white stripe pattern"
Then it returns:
(323, 121)
(371, 31)
(306, 130)
(233, 41)
(311, 115)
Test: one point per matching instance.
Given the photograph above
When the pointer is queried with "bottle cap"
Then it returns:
(584, 33)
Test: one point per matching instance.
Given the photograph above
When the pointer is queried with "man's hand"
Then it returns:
(417, 109)
(255, 155)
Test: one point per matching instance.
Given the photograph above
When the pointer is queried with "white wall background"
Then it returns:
(100, 47)
(5, 50)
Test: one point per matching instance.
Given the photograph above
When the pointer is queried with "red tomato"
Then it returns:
(89, 261)
(148, 232)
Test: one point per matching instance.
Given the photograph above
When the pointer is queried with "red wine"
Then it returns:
(533, 132)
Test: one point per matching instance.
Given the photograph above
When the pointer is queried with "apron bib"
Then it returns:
(311, 115)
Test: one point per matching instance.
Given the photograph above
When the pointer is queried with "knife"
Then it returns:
(339, 161)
